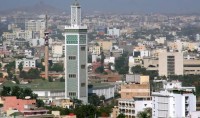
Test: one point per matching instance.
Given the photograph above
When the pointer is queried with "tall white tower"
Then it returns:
(75, 14)
(76, 78)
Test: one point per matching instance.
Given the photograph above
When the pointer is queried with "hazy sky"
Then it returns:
(167, 6)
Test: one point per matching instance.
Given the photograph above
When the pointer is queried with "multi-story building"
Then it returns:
(35, 25)
(105, 89)
(95, 50)
(76, 57)
(105, 45)
(131, 107)
(135, 97)
(57, 49)
(28, 63)
(174, 101)
(170, 63)
(141, 88)
(113, 32)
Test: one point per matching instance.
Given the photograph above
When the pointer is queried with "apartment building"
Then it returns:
(174, 101)
(135, 97)
(128, 91)
(170, 63)
(105, 45)
(95, 50)
(131, 107)
(28, 62)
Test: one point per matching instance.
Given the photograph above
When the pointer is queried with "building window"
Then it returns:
(82, 66)
(72, 94)
(72, 75)
(82, 84)
(72, 57)
(82, 48)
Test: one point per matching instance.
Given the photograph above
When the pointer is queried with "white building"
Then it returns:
(174, 101)
(95, 50)
(50, 95)
(133, 61)
(28, 62)
(104, 89)
(113, 32)
(161, 40)
(131, 107)
(35, 25)
(142, 53)
(28, 53)
(109, 60)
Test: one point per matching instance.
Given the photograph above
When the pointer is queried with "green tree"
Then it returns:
(100, 69)
(1, 74)
(20, 66)
(6, 91)
(94, 100)
(147, 113)
(58, 67)
(121, 64)
(33, 74)
(39, 103)
(138, 69)
(121, 116)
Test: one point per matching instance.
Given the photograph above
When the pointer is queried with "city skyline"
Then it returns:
(115, 6)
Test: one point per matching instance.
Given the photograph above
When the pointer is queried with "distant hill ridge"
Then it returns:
(38, 8)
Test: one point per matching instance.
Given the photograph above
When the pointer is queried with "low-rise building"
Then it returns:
(28, 62)
(131, 107)
(100, 89)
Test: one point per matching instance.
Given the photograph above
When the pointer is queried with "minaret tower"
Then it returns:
(46, 34)
(76, 78)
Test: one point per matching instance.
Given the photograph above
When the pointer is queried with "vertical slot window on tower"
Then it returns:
(82, 66)
(83, 48)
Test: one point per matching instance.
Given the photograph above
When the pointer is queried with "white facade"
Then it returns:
(49, 95)
(28, 53)
(95, 57)
(35, 25)
(109, 60)
(161, 40)
(95, 50)
(27, 63)
(131, 107)
(113, 32)
(174, 101)
(133, 61)
(142, 53)
(108, 91)
(58, 49)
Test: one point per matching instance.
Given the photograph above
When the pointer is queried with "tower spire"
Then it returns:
(75, 14)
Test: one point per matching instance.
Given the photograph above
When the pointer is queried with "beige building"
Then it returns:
(128, 91)
(170, 63)
(140, 48)
(105, 45)
(191, 66)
